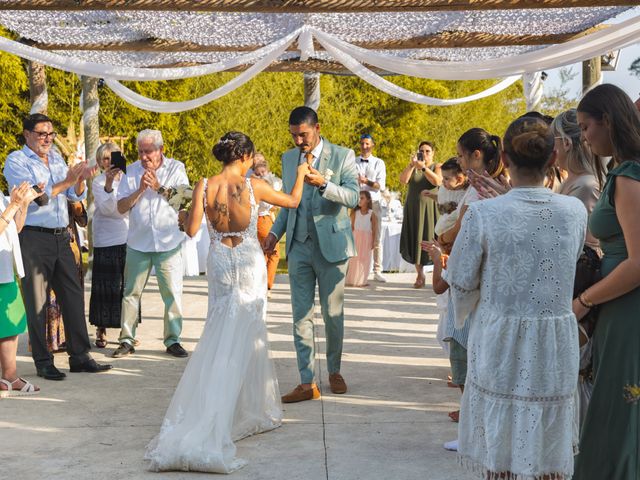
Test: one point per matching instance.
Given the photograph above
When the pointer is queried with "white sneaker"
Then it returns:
(452, 446)
(379, 278)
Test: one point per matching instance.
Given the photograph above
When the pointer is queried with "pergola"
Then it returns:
(447, 39)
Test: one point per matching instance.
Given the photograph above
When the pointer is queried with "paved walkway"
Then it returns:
(390, 425)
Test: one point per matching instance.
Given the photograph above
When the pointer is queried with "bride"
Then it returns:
(228, 390)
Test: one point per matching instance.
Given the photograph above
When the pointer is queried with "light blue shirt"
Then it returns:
(25, 166)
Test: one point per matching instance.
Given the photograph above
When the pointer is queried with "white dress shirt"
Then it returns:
(109, 226)
(375, 170)
(153, 223)
(10, 255)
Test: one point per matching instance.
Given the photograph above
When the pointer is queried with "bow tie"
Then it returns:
(364, 159)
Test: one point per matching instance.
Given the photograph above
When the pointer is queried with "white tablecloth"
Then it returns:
(391, 259)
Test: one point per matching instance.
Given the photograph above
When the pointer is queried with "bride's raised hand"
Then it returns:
(303, 169)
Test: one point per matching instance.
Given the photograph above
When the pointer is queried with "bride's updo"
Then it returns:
(529, 143)
(233, 146)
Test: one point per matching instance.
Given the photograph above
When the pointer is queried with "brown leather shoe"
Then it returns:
(337, 383)
(300, 394)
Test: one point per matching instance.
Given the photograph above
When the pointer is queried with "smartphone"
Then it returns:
(42, 199)
(420, 157)
(118, 161)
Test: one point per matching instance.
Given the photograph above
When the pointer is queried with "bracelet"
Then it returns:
(584, 302)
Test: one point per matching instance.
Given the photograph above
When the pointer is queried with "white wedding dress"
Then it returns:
(228, 390)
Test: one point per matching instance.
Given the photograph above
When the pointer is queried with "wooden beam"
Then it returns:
(438, 40)
(303, 6)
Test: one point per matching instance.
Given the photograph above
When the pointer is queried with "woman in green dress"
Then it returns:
(420, 212)
(610, 437)
(13, 319)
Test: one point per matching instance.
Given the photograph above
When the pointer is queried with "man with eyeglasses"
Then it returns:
(46, 252)
(372, 175)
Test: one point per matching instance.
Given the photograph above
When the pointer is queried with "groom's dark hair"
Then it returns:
(300, 115)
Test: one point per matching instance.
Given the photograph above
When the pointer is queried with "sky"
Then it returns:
(621, 77)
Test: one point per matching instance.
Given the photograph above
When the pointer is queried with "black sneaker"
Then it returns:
(177, 351)
(123, 350)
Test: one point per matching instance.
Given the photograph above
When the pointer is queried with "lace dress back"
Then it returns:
(229, 389)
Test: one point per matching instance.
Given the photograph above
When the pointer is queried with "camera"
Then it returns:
(420, 156)
(42, 199)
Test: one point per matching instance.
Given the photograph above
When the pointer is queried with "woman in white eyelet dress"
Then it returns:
(229, 389)
(511, 276)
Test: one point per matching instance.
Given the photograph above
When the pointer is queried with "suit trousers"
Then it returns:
(264, 227)
(306, 267)
(49, 263)
(169, 273)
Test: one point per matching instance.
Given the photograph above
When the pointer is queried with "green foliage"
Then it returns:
(558, 99)
(635, 67)
(260, 109)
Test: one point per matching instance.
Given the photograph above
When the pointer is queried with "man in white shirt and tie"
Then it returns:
(154, 240)
(372, 175)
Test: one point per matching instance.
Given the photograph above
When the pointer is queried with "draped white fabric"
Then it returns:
(352, 57)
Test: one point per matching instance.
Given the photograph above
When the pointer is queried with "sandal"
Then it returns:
(101, 337)
(420, 281)
(455, 416)
(27, 389)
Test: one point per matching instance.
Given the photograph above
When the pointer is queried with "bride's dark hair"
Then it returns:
(233, 146)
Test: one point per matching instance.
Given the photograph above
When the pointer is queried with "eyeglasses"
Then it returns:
(44, 135)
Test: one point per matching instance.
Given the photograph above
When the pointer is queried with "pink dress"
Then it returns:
(360, 265)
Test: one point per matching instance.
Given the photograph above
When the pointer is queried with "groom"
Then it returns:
(319, 243)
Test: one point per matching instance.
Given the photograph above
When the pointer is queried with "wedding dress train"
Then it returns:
(228, 390)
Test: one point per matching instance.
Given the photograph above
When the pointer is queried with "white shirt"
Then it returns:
(315, 152)
(109, 227)
(10, 255)
(375, 170)
(153, 223)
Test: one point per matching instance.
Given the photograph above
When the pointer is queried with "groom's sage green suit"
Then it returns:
(319, 244)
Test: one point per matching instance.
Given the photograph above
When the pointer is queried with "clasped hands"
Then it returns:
(312, 177)
(149, 180)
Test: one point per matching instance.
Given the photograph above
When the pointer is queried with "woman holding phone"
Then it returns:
(110, 229)
(420, 213)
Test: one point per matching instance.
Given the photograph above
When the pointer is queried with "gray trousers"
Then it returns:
(49, 262)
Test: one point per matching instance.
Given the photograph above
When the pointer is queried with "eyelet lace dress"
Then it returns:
(229, 389)
(511, 276)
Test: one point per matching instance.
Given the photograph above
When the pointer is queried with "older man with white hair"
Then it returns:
(154, 240)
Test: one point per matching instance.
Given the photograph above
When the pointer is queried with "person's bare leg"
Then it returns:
(420, 279)
(8, 352)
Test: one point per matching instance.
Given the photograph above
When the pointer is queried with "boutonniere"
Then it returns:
(327, 174)
(631, 393)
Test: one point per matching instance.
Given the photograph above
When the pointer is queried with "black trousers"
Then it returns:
(49, 262)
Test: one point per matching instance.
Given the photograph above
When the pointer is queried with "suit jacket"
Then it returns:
(330, 209)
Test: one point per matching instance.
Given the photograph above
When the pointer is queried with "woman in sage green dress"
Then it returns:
(610, 437)
(420, 212)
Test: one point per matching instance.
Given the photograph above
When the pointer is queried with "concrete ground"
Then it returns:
(390, 425)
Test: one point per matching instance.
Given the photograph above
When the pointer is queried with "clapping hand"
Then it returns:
(434, 250)
(24, 194)
(149, 180)
(488, 187)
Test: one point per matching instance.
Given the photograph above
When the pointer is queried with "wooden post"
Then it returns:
(90, 125)
(591, 73)
(38, 87)
(91, 129)
(312, 90)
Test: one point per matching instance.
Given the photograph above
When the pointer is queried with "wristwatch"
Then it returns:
(323, 187)
(161, 190)
(424, 169)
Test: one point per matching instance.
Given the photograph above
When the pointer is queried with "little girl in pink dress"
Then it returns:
(363, 223)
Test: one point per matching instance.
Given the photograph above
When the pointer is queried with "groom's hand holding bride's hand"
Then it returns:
(269, 243)
(314, 178)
